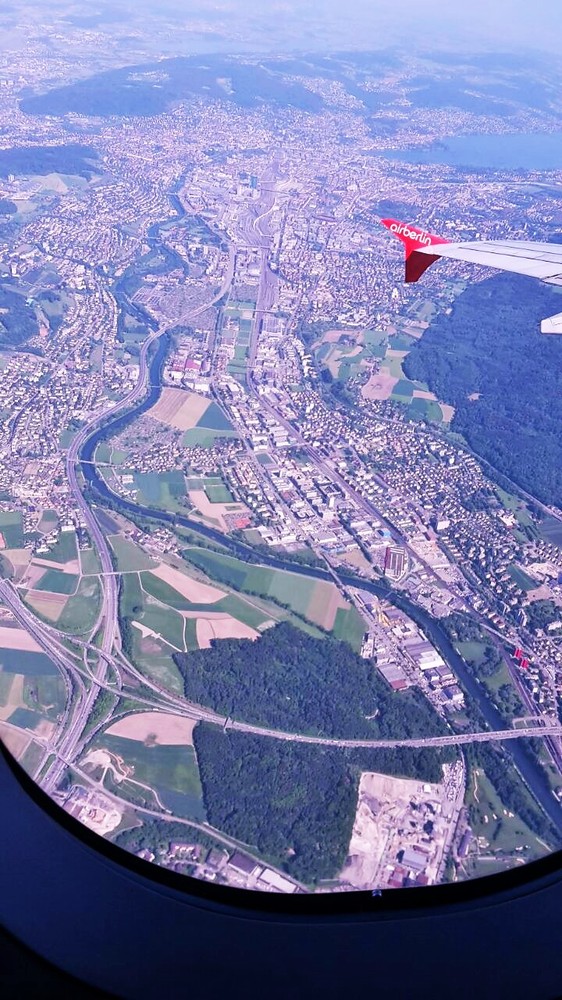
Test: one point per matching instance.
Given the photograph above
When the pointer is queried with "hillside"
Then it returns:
(490, 361)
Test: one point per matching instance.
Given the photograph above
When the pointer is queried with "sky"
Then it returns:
(334, 25)
(486, 23)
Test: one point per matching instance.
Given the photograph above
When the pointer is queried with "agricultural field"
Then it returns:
(13, 637)
(90, 564)
(129, 557)
(522, 579)
(383, 355)
(316, 600)
(57, 582)
(11, 530)
(179, 408)
(349, 627)
(160, 489)
(551, 531)
(27, 662)
(31, 701)
(48, 606)
(170, 611)
(81, 611)
(155, 728)
(65, 549)
(170, 584)
(171, 770)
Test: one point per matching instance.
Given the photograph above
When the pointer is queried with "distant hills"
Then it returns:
(153, 87)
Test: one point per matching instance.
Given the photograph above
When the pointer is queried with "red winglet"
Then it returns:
(413, 239)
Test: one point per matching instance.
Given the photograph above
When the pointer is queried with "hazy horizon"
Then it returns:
(330, 26)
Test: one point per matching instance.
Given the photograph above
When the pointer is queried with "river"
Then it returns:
(531, 772)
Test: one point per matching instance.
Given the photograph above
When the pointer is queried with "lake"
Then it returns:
(511, 151)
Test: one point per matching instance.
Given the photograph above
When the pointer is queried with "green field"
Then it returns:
(29, 664)
(374, 338)
(522, 579)
(214, 419)
(89, 562)
(6, 681)
(219, 494)
(165, 622)
(11, 527)
(45, 694)
(400, 342)
(349, 627)
(167, 769)
(31, 758)
(65, 547)
(162, 489)
(427, 408)
(49, 520)
(57, 582)
(131, 595)
(505, 833)
(246, 613)
(158, 667)
(65, 439)
(129, 556)
(204, 437)
(80, 612)
(190, 634)
(24, 718)
(103, 452)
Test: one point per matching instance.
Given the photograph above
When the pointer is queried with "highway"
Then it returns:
(110, 586)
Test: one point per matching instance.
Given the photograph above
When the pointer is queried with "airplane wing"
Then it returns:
(538, 260)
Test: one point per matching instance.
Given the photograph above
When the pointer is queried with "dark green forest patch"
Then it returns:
(293, 803)
(30, 160)
(290, 680)
(490, 348)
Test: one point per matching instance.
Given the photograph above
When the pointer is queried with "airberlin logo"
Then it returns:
(410, 234)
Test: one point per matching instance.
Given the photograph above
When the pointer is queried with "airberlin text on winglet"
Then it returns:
(401, 229)
(414, 239)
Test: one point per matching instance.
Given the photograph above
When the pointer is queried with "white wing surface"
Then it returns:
(538, 260)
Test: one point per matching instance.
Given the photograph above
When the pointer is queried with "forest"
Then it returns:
(18, 321)
(29, 160)
(293, 803)
(289, 680)
(489, 359)
(542, 613)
